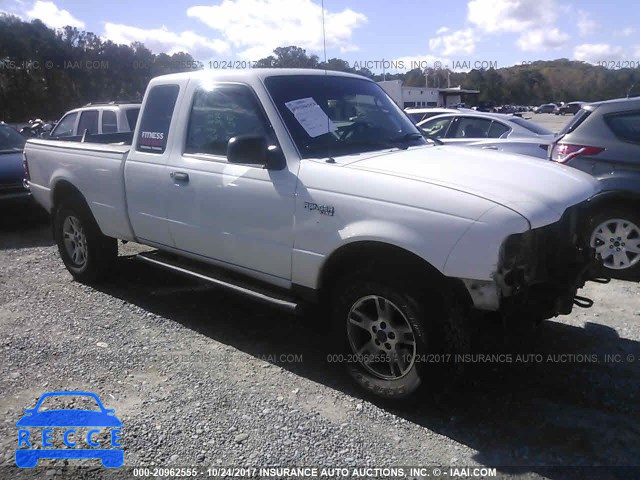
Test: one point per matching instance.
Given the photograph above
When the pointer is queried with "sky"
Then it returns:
(455, 34)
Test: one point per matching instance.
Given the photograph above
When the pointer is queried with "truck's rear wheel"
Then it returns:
(85, 251)
(394, 338)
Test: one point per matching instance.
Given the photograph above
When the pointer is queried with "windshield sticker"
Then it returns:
(311, 116)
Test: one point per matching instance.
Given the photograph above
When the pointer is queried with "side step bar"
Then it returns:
(222, 279)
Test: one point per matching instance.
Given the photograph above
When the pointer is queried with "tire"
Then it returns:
(85, 251)
(615, 234)
(395, 339)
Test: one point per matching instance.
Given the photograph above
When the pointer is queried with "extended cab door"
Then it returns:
(241, 215)
(145, 169)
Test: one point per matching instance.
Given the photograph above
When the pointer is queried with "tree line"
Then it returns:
(45, 72)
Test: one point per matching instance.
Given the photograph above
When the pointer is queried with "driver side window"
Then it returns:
(221, 113)
(65, 126)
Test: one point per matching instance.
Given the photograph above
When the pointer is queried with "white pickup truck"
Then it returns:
(298, 186)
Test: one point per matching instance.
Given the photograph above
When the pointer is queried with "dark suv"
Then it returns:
(570, 108)
(603, 139)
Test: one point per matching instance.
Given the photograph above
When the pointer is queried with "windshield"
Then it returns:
(332, 116)
(10, 140)
(532, 127)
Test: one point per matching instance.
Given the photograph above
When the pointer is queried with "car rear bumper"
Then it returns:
(14, 193)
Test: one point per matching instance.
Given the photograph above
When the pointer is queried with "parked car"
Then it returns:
(603, 139)
(418, 115)
(12, 185)
(570, 108)
(531, 147)
(546, 108)
(296, 186)
(462, 128)
(97, 118)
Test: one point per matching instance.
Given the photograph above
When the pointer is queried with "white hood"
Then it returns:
(539, 190)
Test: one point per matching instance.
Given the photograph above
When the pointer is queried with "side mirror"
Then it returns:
(248, 149)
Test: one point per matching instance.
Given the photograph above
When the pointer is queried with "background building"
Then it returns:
(425, 96)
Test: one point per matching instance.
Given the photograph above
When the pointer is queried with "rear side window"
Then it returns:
(65, 126)
(575, 122)
(497, 130)
(88, 121)
(156, 118)
(132, 117)
(625, 126)
(220, 114)
(109, 122)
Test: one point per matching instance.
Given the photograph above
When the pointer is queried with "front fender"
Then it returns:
(429, 236)
(476, 254)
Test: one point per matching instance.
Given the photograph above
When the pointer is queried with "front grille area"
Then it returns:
(542, 269)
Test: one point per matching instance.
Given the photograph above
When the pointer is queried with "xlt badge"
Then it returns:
(323, 209)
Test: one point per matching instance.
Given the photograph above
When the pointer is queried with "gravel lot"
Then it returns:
(201, 377)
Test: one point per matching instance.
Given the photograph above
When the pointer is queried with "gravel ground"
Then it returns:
(201, 377)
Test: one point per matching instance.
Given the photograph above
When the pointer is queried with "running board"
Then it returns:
(218, 277)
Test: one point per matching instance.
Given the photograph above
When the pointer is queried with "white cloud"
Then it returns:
(458, 42)
(52, 16)
(494, 16)
(11, 7)
(256, 27)
(164, 40)
(586, 25)
(534, 20)
(542, 39)
(625, 32)
(442, 30)
(598, 52)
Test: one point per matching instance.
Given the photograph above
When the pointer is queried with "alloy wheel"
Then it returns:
(617, 242)
(381, 337)
(75, 240)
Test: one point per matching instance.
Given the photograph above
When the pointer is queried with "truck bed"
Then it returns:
(95, 168)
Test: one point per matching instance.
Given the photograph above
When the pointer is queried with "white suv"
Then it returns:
(98, 118)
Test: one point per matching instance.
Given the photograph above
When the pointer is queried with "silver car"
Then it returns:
(464, 128)
(603, 139)
(531, 147)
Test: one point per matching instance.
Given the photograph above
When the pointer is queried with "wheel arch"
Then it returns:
(377, 254)
(624, 198)
(62, 190)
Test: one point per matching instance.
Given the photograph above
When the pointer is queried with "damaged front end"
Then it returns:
(541, 270)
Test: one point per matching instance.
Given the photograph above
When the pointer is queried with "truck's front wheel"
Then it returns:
(85, 251)
(394, 338)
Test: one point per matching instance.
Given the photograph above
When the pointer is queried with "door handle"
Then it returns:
(180, 176)
(491, 147)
